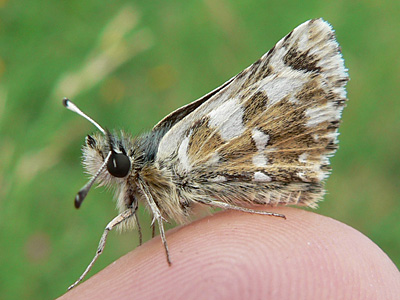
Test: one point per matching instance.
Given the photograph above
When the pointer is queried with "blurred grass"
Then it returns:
(129, 64)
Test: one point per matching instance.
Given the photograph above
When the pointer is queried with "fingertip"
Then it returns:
(233, 255)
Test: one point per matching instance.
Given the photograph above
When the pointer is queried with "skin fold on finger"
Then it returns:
(235, 255)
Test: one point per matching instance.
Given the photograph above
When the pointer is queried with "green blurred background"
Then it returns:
(128, 64)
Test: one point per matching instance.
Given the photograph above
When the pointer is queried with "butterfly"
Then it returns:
(262, 138)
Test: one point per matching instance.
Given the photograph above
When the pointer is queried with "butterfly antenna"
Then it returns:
(72, 107)
(85, 190)
(81, 195)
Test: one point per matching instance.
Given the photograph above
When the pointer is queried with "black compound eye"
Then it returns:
(118, 165)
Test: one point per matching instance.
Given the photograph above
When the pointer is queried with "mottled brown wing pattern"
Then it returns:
(272, 127)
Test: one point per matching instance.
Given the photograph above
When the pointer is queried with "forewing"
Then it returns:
(274, 122)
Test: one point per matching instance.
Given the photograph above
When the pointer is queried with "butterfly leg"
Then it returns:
(156, 216)
(153, 230)
(117, 220)
(139, 229)
(225, 205)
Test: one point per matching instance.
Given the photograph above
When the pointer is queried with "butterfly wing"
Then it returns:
(269, 131)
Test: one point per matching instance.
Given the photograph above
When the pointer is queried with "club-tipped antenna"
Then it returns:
(81, 195)
(72, 107)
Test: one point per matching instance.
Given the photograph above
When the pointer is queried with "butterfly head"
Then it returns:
(106, 156)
